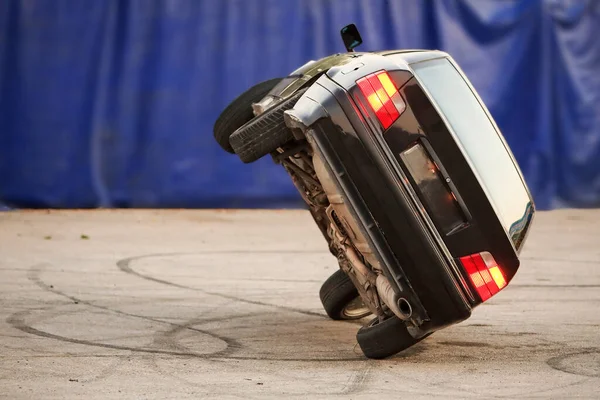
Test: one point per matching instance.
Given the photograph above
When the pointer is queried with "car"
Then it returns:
(408, 178)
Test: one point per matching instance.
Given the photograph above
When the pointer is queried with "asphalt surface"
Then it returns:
(224, 304)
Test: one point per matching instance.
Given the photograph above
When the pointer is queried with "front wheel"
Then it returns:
(265, 133)
(240, 111)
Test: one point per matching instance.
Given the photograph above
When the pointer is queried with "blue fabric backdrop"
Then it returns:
(111, 103)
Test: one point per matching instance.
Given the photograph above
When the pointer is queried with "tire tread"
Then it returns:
(239, 112)
(264, 133)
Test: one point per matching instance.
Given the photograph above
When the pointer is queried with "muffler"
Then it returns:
(399, 305)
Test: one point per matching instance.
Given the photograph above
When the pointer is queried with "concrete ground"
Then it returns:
(224, 304)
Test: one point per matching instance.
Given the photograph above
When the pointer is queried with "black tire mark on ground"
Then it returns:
(34, 276)
(535, 343)
(17, 320)
(519, 334)
(571, 363)
(521, 395)
(465, 344)
(125, 266)
(274, 280)
(66, 355)
(167, 339)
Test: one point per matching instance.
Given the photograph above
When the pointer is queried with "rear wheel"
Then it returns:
(340, 298)
(381, 339)
(265, 133)
(239, 111)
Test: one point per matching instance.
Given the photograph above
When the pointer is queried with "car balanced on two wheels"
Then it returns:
(406, 175)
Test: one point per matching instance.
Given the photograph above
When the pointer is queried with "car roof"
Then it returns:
(411, 56)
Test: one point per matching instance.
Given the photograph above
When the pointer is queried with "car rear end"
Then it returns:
(428, 175)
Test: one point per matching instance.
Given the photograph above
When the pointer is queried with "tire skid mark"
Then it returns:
(38, 347)
(563, 363)
(17, 320)
(168, 339)
(540, 391)
(65, 355)
(125, 266)
(35, 279)
(34, 276)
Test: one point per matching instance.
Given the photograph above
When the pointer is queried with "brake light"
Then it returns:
(382, 96)
(484, 273)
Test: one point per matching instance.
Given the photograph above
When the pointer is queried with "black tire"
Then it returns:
(264, 133)
(383, 339)
(239, 111)
(340, 298)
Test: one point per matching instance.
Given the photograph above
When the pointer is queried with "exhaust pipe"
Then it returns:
(399, 305)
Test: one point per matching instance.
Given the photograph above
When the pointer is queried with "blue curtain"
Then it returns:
(111, 103)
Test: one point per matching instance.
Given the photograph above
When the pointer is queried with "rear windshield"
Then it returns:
(480, 141)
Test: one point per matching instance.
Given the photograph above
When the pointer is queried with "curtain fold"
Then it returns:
(111, 103)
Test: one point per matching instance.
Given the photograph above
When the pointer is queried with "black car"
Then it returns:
(407, 176)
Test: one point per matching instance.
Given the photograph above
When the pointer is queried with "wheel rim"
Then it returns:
(356, 309)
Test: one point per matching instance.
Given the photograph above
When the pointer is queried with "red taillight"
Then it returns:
(382, 96)
(484, 273)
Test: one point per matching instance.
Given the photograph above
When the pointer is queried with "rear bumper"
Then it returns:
(419, 267)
